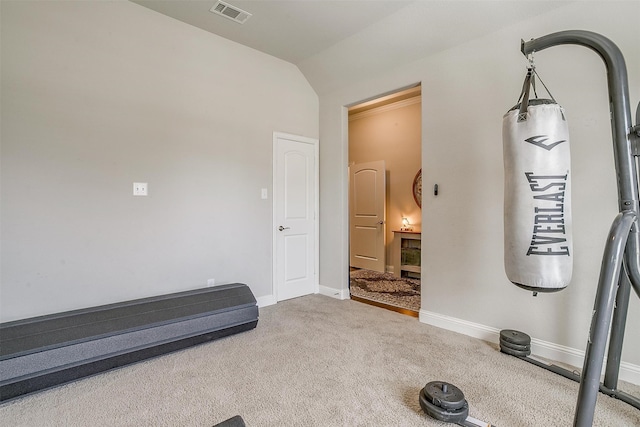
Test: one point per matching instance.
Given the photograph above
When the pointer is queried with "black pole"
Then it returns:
(617, 333)
(601, 320)
(624, 227)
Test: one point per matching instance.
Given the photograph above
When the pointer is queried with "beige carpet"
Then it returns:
(317, 361)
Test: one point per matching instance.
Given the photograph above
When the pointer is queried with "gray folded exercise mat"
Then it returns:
(45, 351)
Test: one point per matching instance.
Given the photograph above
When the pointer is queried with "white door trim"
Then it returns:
(316, 221)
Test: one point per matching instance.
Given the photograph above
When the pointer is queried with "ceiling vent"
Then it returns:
(231, 12)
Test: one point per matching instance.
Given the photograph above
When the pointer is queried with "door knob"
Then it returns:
(380, 222)
(281, 228)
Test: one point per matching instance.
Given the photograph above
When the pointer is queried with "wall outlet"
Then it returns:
(139, 188)
(211, 282)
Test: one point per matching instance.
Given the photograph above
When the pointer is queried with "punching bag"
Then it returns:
(538, 247)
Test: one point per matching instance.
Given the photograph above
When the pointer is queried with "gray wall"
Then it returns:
(465, 92)
(98, 95)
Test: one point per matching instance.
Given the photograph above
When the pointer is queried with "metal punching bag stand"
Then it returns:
(623, 243)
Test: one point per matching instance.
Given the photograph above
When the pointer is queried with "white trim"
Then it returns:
(266, 301)
(385, 108)
(274, 277)
(471, 329)
(630, 373)
(334, 292)
(571, 356)
(316, 213)
(344, 219)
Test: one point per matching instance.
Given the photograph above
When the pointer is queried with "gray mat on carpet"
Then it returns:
(386, 288)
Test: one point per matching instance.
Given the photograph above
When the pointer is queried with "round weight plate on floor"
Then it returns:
(514, 337)
(517, 353)
(444, 395)
(441, 414)
(515, 346)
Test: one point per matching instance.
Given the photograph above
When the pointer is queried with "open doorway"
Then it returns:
(385, 197)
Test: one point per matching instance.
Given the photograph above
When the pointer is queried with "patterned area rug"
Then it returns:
(386, 288)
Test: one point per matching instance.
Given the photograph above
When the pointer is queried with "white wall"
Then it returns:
(98, 95)
(465, 92)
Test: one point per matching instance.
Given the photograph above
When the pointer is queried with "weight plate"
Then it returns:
(515, 337)
(444, 395)
(513, 346)
(441, 414)
(517, 353)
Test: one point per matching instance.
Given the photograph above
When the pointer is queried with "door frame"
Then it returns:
(346, 200)
(316, 221)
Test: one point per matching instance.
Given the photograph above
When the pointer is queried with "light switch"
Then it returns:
(139, 188)
(264, 193)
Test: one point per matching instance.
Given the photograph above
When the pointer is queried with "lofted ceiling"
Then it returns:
(292, 30)
(332, 41)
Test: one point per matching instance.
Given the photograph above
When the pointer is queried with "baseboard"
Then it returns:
(266, 301)
(631, 373)
(548, 350)
(333, 292)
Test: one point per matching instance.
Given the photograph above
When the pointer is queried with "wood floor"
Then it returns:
(387, 306)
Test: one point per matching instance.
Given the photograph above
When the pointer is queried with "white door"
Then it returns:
(367, 215)
(295, 201)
